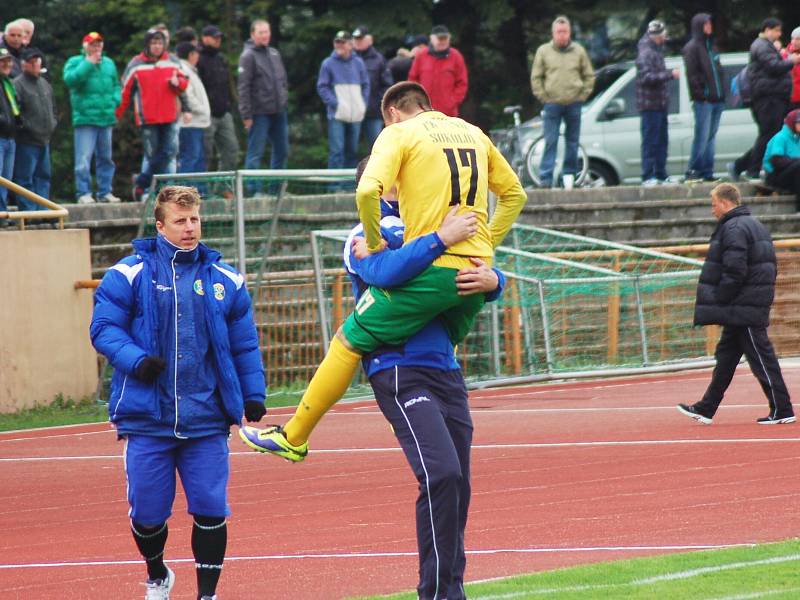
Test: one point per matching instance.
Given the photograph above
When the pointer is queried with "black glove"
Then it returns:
(779, 162)
(254, 410)
(150, 368)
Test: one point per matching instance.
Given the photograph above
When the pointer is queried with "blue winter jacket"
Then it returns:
(343, 86)
(213, 310)
(430, 347)
(784, 143)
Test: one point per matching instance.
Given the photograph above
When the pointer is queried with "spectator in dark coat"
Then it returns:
(400, 65)
(218, 83)
(38, 112)
(736, 290)
(380, 80)
(771, 86)
(652, 99)
(13, 36)
(263, 98)
(704, 76)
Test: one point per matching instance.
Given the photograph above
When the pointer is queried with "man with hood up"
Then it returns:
(782, 157)
(153, 81)
(704, 76)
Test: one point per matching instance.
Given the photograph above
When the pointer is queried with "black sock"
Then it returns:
(209, 539)
(151, 542)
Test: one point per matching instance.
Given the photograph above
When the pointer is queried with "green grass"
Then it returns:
(763, 571)
(71, 412)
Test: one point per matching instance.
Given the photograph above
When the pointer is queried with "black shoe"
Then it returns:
(691, 411)
(770, 420)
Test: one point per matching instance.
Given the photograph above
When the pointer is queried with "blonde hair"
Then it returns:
(181, 195)
(729, 192)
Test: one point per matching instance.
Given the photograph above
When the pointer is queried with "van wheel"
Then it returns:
(600, 175)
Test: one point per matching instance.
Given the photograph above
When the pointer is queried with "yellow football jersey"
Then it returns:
(437, 162)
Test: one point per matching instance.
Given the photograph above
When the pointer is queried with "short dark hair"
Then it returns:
(405, 96)
(181, 195)
(729, 192)
(186, 34)
(770, 23)
(361, 167)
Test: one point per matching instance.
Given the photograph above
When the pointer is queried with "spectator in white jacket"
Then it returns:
(191, 154)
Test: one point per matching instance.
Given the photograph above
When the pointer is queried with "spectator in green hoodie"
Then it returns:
(94, 92)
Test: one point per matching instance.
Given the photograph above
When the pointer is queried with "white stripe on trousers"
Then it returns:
(774, 413)
(427, 478)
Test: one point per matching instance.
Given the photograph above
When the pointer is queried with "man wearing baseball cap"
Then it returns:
(9, 120)
(343, 86)
(38, 114)
(215, 74)
(380, 80)
(95, 94)
(442, 72)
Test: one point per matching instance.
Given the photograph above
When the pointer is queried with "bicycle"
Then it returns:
(525, 154)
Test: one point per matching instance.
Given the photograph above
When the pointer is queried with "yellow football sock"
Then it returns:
(325, 389)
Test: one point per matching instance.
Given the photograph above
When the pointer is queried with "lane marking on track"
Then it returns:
(371, 411)
(76, 563)
(651, 580)
(544, 445)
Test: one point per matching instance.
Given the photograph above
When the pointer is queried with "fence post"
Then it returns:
(318, 281)
(642, 327)
(238, 226)
(613, 317)
(548, 351)
(516, 342)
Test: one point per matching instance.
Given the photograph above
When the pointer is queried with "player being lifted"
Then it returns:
(437, 162)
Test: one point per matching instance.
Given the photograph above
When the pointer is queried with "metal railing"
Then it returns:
(52, 210)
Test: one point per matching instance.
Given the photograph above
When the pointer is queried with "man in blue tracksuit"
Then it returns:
(420, 390)
(177, 325)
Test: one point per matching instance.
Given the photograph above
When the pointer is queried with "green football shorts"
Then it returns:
(391, 316)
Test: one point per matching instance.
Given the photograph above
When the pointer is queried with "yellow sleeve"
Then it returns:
(510, 195)
(380, 175)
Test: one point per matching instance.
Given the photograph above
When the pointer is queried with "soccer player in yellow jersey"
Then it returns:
(436, 162)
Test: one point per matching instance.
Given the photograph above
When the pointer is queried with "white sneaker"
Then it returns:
(86, 199)
(568, 181)
(160, 588)
(109, 197)
(651, 182)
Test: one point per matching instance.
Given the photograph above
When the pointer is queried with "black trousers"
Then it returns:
(756, 347)
(788, 179)
(768, 113)
(429, 413)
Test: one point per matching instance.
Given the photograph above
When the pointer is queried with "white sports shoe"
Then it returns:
(568, 181)
(160, 588)
(86, 199)
(109, 197)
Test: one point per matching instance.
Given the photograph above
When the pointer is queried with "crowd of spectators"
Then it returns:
(184, 100)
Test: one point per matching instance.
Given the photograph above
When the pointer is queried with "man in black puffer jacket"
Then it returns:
(771, 88)
(736, 290)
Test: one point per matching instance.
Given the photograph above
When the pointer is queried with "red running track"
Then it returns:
(562, 475)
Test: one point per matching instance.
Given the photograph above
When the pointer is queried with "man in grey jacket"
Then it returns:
(263, 98)
(37, 110)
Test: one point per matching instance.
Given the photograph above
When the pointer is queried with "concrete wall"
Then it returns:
(44, 328)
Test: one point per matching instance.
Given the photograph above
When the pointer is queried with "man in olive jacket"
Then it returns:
(95, 93)
(736, 290)
(562, 79)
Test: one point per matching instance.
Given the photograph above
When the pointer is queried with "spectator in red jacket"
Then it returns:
(442, 72)
(793, 47)
(153, 81)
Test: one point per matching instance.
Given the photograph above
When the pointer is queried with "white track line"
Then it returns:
(651, 580)
(594, 444)
(350, 555)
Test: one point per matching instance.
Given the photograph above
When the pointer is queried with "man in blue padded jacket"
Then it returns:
(176, 323)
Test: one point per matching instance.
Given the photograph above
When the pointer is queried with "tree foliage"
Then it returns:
(497, 37)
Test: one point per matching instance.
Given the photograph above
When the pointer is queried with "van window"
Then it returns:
(628, 95)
